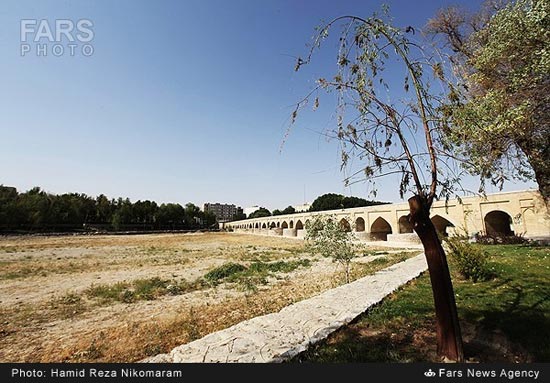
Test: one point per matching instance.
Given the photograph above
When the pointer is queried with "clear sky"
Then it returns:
(181, 101)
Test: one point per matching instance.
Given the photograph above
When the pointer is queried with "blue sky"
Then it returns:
(181, 101)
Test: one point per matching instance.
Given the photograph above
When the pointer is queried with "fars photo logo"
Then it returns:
(59, 37)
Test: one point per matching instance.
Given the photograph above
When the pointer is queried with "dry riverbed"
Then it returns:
(122, 298)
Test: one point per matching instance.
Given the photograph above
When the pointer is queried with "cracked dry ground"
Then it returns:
(49, 313)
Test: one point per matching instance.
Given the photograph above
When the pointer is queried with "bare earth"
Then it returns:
(48, 315)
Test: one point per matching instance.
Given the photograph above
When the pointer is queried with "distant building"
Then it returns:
(301, 208)
(250, 210)
(223, 212)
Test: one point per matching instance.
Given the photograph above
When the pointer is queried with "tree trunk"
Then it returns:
(449, 338)
(537, 151)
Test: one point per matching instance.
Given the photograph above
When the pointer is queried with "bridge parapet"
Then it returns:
(519, 212)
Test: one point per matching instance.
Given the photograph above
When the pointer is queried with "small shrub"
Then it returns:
(127, 296)
(516, 239)
(471, 261)
(107, 292)
(280, 266)
(224, 271)
(149, 289)
(330, 238)
(174, 289)
(256, 273)
(140, 289)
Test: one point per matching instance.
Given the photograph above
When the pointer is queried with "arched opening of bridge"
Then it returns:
(441, 224)
(272, 225)
(278, 224)
(498, 224)
(264, 226)
(256, 225)
(359, 224)
(307, 223)
(291, 224)
(344, 225)
(284, 225)
(299, 225)
(404, 225)
(380, 229)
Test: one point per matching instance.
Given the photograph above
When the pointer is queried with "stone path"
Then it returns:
(280, 336)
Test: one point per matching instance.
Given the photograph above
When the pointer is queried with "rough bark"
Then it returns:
(449, 338)
(538, 155)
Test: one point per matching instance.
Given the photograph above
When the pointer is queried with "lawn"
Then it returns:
(504, 319)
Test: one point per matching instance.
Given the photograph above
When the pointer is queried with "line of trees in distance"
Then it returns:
(328, 201)
(38, 211)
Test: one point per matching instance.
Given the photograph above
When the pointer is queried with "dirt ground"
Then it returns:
(48, 315)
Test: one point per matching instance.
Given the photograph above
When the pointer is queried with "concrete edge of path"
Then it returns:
(279, 336)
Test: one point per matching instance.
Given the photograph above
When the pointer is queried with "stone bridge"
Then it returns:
(520, 212)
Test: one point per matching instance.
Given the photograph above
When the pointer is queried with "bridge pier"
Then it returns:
(276, 231)
(362, 235)
(406, 237)
(289, 232)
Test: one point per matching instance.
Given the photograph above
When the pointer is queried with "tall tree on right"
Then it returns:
(498, 112)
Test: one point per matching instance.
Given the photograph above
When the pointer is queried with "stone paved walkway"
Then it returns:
(280, 336)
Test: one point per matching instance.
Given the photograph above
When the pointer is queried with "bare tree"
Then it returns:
(403, 136)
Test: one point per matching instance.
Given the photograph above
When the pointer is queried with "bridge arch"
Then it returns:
(278, 224)
(284, 225)
(380, 229)
(264, 226)
(344, 224)
(299, 225)
(441, 224)
(359, 224)
(291, 224)
(498, 223)
(404, 225)
(272, 225)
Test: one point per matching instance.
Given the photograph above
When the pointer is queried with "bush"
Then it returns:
(224, 271)
(328, 237)
(516, 239)
(471, 261)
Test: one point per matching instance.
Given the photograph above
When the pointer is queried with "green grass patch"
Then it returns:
(140, 289)
(502, 318)
(256, 272)
(9, 249)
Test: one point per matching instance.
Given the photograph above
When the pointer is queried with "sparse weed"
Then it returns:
(140, 289)
(259, 271)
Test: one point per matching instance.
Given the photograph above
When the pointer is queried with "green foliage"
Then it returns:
(224, 271)
(287, 210)
(499, 117)
(471, 261)
(238, 217)
(332, 201)
(515, 239)
(140, 289)
(36, 210)
(256, 272)
(327, 237)
(261, 212)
